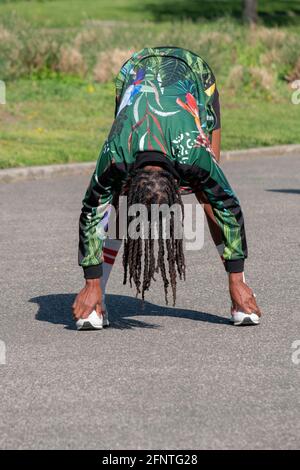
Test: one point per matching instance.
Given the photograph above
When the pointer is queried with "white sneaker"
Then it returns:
(93, 321)
(239, 318)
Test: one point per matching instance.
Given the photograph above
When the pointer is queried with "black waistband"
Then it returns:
(150, 157)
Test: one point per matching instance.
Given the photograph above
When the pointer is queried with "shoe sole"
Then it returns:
(247, 321)
(88, 326)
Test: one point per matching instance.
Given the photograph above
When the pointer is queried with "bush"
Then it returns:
(109, 64)
(257, 59)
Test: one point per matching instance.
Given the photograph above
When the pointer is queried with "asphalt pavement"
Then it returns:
(159, 377)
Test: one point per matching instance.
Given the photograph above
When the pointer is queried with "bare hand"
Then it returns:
(88, 299)
(242, 296)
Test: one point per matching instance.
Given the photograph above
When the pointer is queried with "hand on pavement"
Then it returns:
(88, 299)
(242, 296)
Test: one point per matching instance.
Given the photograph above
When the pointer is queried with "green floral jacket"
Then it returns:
(164, 109)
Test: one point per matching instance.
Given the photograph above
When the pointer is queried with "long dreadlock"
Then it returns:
(147, 188)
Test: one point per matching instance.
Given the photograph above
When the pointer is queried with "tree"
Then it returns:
(250, 11)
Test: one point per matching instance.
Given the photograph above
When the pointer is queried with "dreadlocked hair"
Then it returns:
(148, 188)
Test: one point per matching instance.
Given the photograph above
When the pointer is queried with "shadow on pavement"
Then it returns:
(56, 308)
(287, 191)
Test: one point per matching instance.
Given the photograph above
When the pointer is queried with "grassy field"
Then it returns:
(72, 13)
(51, 121)
(58, 65)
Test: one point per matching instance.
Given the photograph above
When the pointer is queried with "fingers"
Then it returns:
(98, 309)
(243, 299)
(76, 311)
(252, 307)
(81, 310)
(251, 304)
(246, 309)
(87, 310)
(256, 308)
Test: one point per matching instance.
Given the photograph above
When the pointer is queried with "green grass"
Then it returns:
(52, 117)
(52, 121)
(70, 13)
(60, 121)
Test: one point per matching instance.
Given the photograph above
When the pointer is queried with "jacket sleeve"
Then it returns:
(94, 216)
(205, 174)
